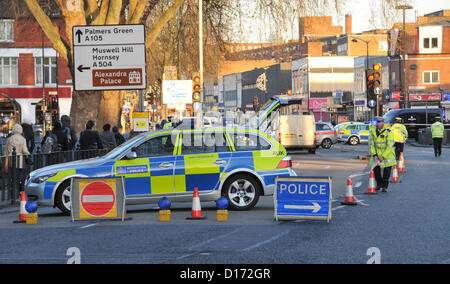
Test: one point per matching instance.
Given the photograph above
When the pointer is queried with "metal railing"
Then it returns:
(15, 169)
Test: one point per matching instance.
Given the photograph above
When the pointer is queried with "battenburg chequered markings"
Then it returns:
(303, 198)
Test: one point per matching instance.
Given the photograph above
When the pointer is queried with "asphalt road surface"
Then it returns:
(409, 224)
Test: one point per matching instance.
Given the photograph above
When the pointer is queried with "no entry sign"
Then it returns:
(97, 199)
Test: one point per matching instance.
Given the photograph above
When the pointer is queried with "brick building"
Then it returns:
(29, 67)
(424, 80)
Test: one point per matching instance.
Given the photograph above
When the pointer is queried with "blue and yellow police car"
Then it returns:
(239, 164)
(354, 133)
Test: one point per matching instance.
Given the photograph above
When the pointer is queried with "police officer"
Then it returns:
(400, 136)
(437, 133)
(168, 124)
(381, 145)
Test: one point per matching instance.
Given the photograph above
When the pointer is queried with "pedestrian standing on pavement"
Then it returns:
(90, 139)
(381, 145)
(28, 133)
(119, 137)
(437, 133)
(70, 130)
(108, 139)
(400, 136)
(18, 143)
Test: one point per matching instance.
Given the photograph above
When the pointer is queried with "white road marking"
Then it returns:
(268, 240)
(216, 238)
(358, 184)
(186, 255)
(339, 207)
(87, 226)
(327, 167)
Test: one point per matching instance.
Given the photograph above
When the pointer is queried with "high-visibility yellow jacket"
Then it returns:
(400, 132)
(437, 130)
(167, 125)
(382, 146)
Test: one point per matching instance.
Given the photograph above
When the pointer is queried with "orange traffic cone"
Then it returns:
(196, 207)
(401, 163)
(349, 198)
(372, 189)
(395, 175)
(23, 212)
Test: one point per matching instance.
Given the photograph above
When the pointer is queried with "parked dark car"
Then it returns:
(413, 118)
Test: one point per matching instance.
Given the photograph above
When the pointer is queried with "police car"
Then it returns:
(239, 164)
(354, 133)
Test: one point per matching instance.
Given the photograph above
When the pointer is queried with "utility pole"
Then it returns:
(198, 107)
(401, 62)
(200, 38)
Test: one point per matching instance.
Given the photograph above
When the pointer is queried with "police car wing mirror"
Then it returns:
(131, 155)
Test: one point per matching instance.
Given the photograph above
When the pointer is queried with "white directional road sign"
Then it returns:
(109, 57)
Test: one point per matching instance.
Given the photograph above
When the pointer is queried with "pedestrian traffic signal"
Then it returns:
(196, 88)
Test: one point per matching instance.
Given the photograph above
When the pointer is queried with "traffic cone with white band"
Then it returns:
(349, 197)
(401, 163)
(372, 189)
(196, 207)
(395, 174)
(23, 211)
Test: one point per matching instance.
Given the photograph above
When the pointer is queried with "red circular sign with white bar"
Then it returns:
(97, 198)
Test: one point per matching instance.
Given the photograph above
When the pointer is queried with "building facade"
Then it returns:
(324, 83)
(425, 78)
(30, 70)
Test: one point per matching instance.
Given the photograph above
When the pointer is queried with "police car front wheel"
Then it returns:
(62, 198)
(242, 191)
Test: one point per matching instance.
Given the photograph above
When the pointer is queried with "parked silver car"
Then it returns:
(325, 135)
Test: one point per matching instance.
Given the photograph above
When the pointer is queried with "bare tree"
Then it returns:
(383, 13)
(99, 106)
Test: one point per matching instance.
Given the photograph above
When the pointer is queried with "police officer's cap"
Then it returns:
(398, 119)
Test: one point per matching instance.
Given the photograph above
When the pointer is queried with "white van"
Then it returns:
(297, 131)
(295, 128)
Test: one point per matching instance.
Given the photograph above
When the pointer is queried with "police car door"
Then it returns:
(152, 171)
(203, 158)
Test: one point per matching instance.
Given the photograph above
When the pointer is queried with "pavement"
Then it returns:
(409, 224)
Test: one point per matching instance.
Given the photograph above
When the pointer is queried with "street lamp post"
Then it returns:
(355, 39)
(402, 73)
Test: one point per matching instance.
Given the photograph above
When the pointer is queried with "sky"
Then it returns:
(360, 11)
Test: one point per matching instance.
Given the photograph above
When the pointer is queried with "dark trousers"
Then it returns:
(382, 181)
(398, 149)
(437, 146)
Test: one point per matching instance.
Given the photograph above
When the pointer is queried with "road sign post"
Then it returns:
(109, 57)
(303, 198)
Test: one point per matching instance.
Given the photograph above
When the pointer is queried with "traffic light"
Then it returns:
(196, 88)
(370, 81)
(150, 98)
(377, 79)
(53, 102)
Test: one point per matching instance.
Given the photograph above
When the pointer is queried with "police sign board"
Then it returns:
(303, 198)
(109, 57)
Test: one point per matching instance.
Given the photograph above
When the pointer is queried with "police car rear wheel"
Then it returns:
(353, 140)
(242, 191)
(326, 143)
(62, 198)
